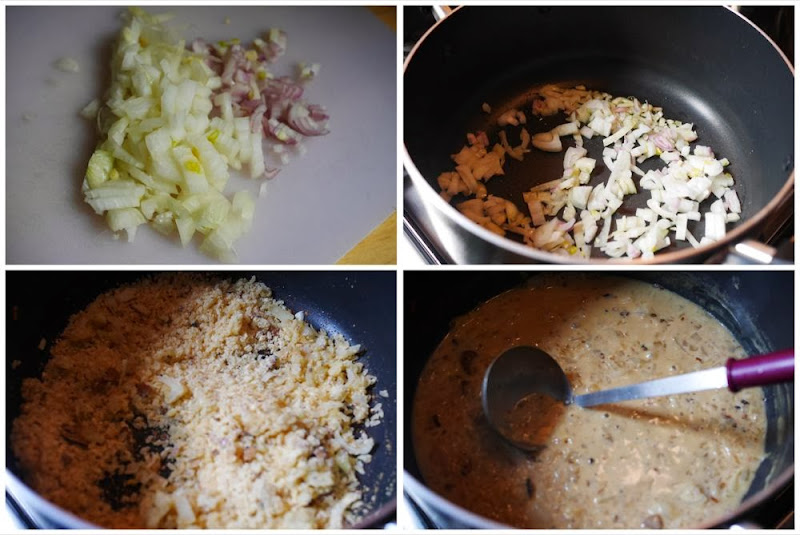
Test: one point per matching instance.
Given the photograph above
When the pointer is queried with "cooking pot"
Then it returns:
(757, 307)
(359, 305)
(705, 65)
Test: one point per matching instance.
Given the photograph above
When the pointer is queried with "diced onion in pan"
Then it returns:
(569, 216)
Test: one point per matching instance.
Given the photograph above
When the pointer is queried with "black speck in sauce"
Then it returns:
(466, 468)
(529, 488)
(119, 490)
(467, 359)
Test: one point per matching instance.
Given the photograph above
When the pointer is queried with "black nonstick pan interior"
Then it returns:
(359, 305)
(704, 65)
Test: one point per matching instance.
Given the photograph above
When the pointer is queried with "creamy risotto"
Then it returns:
(661, 462)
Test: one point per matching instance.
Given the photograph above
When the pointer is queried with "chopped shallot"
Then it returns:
(176, 119)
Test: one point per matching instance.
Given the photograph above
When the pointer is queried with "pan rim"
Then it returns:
(25, 494)
(418, 488)
(20, 491)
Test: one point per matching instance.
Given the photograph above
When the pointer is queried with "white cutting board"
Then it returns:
(317, 208)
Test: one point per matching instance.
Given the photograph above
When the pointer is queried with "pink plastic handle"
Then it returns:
(777, 367)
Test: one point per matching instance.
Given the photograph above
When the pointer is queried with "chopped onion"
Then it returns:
(547, 141)
(67, 64)
(640, 131)
(715, 225)
(163, 158)
(509, 117)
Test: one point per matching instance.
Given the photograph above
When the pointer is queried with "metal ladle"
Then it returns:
(524, 371)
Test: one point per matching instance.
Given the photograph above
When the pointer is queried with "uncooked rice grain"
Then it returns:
(191, 402)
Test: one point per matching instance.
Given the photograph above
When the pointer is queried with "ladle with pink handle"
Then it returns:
(522, 371)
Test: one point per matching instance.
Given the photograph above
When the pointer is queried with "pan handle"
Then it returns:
(751, 252)
(440, 12)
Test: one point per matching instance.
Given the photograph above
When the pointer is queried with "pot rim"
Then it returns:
(418, 489)
(20, 491)
(684, 255)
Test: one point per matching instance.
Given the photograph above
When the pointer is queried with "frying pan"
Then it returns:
(757, 307)
(704, 65)
(359, 305)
